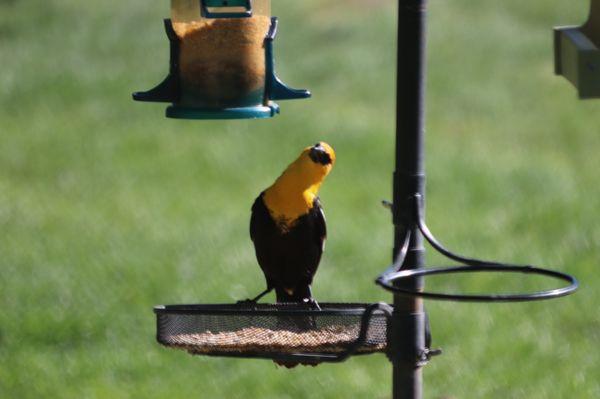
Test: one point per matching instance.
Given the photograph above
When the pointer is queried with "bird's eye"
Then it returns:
(317, 145)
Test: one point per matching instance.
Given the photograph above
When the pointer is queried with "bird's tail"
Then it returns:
(300, 295)
(297, 324)
(295, 296)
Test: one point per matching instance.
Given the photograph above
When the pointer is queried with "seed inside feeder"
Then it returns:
(222, 61)
(333, 339)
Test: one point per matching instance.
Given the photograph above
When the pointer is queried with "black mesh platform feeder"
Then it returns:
(284, 332)
(333, 333)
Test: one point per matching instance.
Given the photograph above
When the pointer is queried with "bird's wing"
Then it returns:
(262, 227)
(258, 212)
(320, 224)
(319, 235)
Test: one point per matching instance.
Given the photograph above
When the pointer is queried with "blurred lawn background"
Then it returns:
(107, 208)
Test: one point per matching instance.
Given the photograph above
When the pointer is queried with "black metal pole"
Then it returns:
(407, 339)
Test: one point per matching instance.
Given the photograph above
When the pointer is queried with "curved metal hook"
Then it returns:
(418, 204)
(399, 258)
(392, 275)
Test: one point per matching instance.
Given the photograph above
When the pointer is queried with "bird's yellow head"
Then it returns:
(293, 193)
(317, 160)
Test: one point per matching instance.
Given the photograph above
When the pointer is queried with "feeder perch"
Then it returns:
(577, 54)
(221, 62)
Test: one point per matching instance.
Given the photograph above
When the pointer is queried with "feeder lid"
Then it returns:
(226, 8)
(193, 10)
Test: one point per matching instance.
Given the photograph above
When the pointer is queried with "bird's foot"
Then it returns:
(254, 301)
(312, 303)
(247, 303)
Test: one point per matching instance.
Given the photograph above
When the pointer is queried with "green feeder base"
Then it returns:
(257, 112)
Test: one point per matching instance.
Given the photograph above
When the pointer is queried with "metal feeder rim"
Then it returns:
(307, 358)
(253, 112)
(327, 309)
(387, 282)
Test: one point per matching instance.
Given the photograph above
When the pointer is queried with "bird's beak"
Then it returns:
(319, 155)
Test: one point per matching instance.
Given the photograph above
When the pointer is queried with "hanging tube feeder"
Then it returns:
(221, 62)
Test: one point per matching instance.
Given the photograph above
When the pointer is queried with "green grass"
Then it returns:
(107, 208)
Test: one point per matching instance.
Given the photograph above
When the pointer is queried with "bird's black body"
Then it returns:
(288, 256)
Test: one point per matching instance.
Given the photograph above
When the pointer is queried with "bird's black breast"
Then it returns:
(288, 258)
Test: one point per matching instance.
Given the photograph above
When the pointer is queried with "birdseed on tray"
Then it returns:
(255, 339)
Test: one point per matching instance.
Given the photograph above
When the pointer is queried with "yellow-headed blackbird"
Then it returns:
(288, 226)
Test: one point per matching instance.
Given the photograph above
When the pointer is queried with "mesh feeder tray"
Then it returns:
(285, 332)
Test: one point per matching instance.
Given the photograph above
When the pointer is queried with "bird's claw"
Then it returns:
(312, 303)
(247, 303)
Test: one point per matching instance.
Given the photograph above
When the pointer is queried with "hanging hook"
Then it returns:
(387, 204)
(398, 259)
(418, 209)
